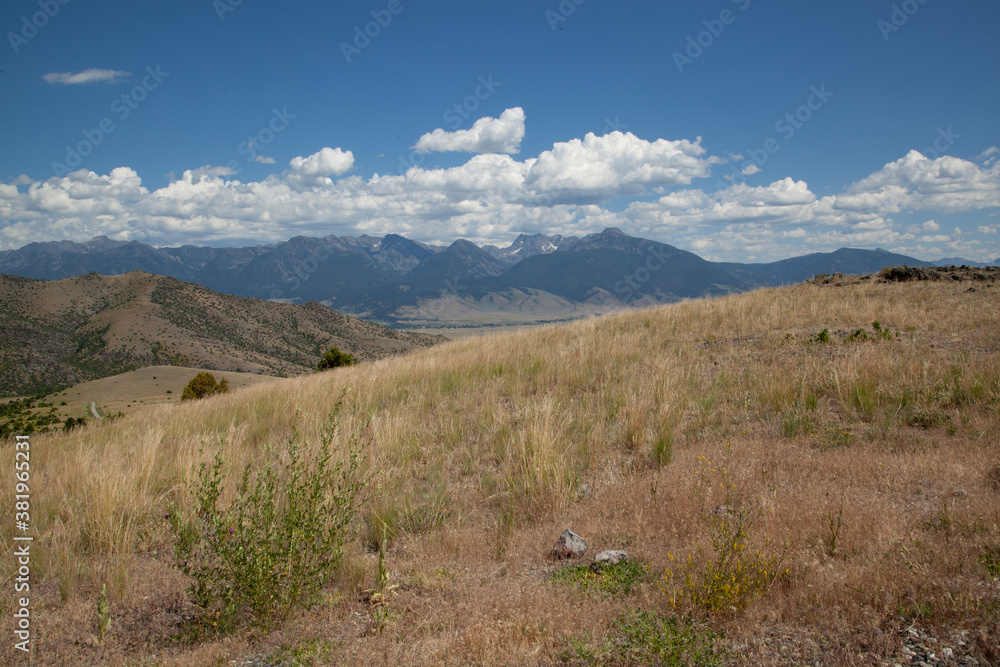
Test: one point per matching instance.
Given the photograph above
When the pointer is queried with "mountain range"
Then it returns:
(401, 282)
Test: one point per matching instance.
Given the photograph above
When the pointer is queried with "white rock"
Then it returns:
(612, 557)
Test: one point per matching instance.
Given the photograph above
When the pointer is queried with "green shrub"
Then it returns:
(204, 384)
(71, 423)
(271, 549)
(334, 358)
(619, 578)
(877, 333)
(645, 638)
(735, 573)
(733, 576)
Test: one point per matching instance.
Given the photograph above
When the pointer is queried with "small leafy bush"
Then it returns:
(272, 548)
(735, 573)
(334, 358)
(733, 576)
(822, 337)
(877, 333)
(204, 384)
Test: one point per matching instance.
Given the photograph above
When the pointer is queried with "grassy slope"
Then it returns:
(483, 446)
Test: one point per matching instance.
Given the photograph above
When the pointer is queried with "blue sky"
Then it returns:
(737, 129)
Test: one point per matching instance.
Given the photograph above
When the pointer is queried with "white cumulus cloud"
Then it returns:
(326, 162)
(487, 135)
(598, 168)
(315, 170)
(915, 183)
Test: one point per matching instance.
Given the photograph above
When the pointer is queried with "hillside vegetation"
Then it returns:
(845, 475)
(61, 332)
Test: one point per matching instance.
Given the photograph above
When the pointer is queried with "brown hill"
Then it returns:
(61, 332)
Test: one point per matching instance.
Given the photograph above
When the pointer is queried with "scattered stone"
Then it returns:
(570, 544)
(611, 557)
(723, 510)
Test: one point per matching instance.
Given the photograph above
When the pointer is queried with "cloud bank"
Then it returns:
(575, 187)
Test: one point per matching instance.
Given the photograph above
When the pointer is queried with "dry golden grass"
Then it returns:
(485, 449)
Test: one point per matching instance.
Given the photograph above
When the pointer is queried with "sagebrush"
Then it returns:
(272, 547)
